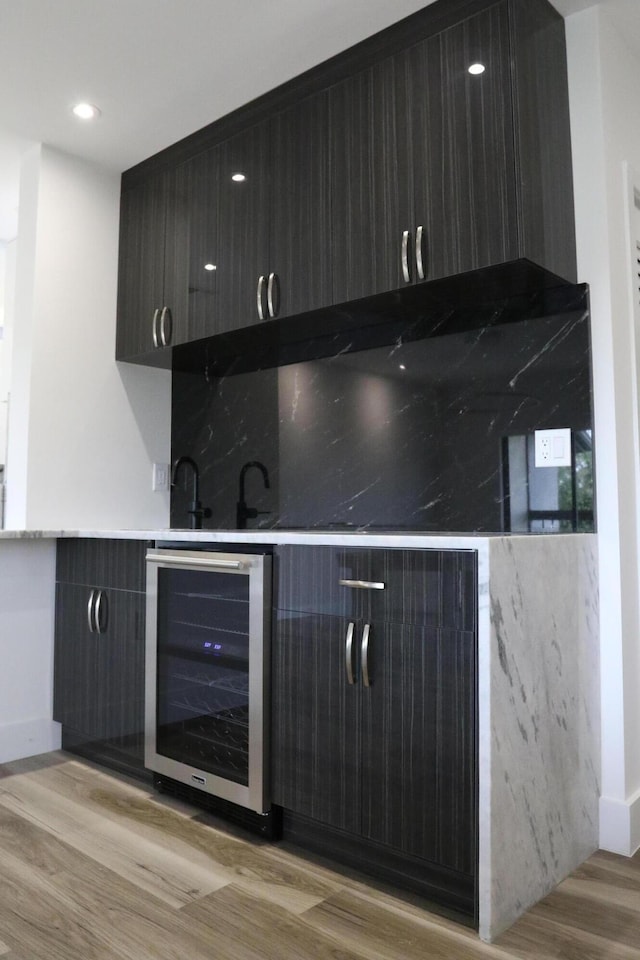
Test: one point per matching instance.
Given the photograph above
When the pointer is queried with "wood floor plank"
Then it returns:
(172, 857)
(262, 931)
(535, 937)
(96, 867)
(359, 923)
(174, 876)
(579, 913)
(88, 912)
(257, 866)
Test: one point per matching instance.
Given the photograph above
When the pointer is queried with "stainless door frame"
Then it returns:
(257, 567)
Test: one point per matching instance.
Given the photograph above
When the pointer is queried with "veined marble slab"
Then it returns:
(539, 724)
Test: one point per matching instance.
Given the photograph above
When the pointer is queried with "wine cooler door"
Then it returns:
(207, 660)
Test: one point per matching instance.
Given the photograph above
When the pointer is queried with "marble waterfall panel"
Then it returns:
(539, 720)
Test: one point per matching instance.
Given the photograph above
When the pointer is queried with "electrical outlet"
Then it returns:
(160, 481)
(553, 448)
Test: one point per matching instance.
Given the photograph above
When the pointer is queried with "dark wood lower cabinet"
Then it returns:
(99, 675)
(381, 776)
(316, 721)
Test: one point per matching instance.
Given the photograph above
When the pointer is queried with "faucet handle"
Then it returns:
(198, 513)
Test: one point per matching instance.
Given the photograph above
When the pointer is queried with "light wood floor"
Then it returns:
(94, 866)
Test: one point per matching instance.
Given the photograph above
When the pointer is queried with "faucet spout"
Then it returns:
(197, 511)
(243, 512)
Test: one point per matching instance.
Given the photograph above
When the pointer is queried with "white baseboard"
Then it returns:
(620, 825)
(28, 739)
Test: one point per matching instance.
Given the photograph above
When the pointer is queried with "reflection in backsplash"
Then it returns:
(433, 434)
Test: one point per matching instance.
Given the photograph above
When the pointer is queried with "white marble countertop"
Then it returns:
(407, 539)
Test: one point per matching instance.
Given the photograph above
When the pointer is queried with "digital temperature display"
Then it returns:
(213, 647)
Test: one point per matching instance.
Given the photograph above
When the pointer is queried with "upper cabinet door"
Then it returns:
(300, 209)
(202, 177)
(462, 147)
(243, 227)
(152, 279)
(372, 196)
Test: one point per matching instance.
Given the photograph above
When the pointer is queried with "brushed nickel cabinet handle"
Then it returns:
(362, 584)
(364, 655)
(101, 612)
(165, 338)
(348, 653)
(90, 612)
(273, 303)
(419, 260)
(154, 327)
(259, 298)
(405, 257)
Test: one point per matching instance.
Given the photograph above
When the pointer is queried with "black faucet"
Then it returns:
(243, 512)
(197, 511)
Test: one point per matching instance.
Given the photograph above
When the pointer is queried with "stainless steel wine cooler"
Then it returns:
(207, 672)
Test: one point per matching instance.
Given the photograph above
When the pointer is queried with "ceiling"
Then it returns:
(160, 69)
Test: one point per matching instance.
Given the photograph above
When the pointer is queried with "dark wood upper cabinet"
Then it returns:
(462, 148)
(389, 165)
(300, 234)
(243, 225)
(152, 270)
(428, 173)
(370, 179)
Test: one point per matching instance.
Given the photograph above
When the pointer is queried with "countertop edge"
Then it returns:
(417, 540)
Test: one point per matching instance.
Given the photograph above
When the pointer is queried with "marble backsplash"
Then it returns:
(420, 425)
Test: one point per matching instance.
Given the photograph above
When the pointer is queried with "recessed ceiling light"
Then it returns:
(238, 177)
(402, 366)
(86, 111)
(476, 69)
(210, 266)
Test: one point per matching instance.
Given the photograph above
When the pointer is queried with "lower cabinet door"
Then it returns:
(418, 743)
(75, 685)
(391, 757)
(316, 720)
(99, 675)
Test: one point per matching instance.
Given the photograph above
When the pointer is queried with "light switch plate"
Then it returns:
(553, 448)
(160, 481)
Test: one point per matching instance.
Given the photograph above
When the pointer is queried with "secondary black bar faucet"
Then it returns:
(243, 512)
(197, 512)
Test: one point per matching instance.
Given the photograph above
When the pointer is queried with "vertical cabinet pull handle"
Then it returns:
(165, 318)
(273, 303)
(259, 298)
(419, 260)
(101, 612)
(364, 656)
(348, 653)
(90, 611)
(154, 327)
(406, 273)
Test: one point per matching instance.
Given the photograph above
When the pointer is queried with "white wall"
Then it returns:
(83, 431)
(604, 76)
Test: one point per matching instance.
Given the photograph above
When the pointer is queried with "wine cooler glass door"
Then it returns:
(209, 679)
